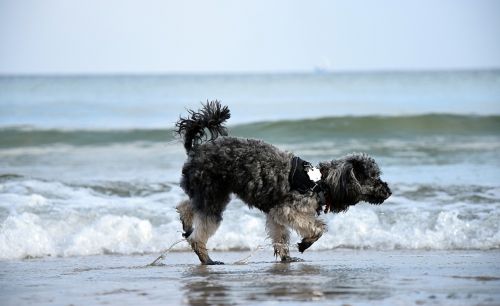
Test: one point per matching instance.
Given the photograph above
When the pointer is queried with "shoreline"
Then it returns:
(341, 276)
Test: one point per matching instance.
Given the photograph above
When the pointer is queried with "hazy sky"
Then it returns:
(123, 36)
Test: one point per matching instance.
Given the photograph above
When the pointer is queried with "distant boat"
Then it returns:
(321, 70)
(324, 67)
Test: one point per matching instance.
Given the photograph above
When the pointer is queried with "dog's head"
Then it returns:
(353, 178)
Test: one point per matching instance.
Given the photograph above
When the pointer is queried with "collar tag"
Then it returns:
(314, 174)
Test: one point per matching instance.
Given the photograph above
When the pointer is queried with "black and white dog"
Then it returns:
(289, 190)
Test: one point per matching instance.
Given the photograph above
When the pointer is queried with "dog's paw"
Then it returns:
(187, 233)
(304, 245)
(288, 259)
(213, 263)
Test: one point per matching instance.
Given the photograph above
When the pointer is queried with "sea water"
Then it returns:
(89, 164)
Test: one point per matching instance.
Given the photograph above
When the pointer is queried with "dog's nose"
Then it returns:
(388, 191)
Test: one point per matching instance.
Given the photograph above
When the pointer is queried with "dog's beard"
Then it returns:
(374, 200)
(342, 201)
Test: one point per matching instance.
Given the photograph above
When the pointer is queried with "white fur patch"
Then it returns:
(204, 228)
(314, 174)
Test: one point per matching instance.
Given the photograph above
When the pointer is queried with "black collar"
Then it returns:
(299, 180)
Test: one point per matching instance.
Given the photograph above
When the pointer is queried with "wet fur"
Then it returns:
(257, 173)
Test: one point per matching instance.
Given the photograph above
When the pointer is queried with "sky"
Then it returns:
(227, 36)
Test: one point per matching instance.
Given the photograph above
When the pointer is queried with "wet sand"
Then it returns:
(338, 277)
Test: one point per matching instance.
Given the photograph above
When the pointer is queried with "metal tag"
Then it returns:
(314, 174)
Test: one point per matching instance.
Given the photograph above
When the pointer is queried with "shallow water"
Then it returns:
(326, 277)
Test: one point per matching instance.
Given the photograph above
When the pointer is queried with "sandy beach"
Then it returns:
(338, 277)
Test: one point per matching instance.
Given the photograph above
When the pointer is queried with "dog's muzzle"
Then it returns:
(381, 193)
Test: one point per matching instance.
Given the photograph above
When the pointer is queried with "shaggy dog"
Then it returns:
(276, 182)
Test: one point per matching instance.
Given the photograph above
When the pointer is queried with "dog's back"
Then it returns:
(254, 170)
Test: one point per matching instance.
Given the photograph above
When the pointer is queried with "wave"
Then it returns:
(50, 218)
(31, 137)
(284, 131)
(372, 127)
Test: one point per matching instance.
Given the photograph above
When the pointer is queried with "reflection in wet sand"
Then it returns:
(205, 285)
(335, 277)
(204, 288)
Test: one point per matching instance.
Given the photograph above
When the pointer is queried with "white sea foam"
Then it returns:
(41, 218)
(410, 229)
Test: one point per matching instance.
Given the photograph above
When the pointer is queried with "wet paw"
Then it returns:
(304, 245)
(291, 259)
(212, 263)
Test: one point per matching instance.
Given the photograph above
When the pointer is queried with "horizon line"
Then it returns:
(250, 73)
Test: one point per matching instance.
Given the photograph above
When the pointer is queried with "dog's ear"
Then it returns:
(340, 180)
(338, 175)
(359, 169)
(345, 193)
(345, 178)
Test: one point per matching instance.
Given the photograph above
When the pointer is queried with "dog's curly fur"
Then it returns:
(258, 173)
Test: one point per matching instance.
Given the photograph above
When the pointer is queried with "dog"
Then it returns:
(291, 192)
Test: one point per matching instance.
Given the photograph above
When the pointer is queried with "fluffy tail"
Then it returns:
(210, 117)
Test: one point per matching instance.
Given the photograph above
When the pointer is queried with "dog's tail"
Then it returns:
(210, 117)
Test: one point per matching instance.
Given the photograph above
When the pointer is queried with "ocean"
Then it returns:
(89, 164)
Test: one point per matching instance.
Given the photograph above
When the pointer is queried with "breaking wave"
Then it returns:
(49, 218)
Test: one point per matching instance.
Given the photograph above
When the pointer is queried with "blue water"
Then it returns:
(157, 101)
(89, 165)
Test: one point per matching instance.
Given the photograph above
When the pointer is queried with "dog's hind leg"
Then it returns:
(208, 195)
(204, 227)
(185, 211)
(280, 235)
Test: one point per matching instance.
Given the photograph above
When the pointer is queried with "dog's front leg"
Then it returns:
(303, 221)
(280, 235)
(306, 243)
(310, 233)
